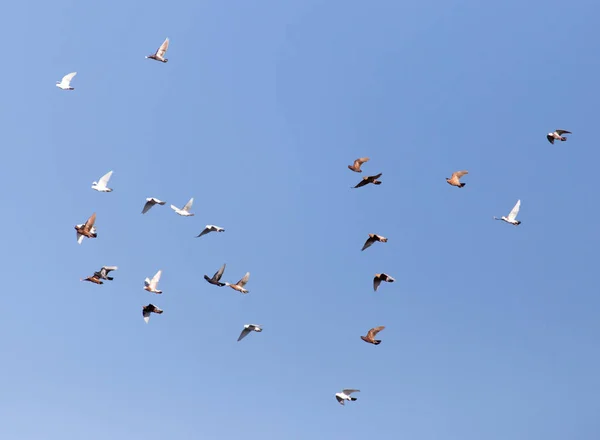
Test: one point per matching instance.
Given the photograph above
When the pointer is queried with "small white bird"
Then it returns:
(65, 82)
(345, 395)
(185, 211)
(210, 228)
(249, 328)
(159, 55)
(150, 202)
(101, 184)
(150, 285)
(512, 216)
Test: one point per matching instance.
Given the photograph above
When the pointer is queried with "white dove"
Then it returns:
(65, 82)
(101, 184)
(249, 328)
(150, 202)
(210, 228)
(159, 55)
(150, 285)
(512, 216)
(345, 395)
(185, 211)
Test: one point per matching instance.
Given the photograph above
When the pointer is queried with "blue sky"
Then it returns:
(491, 330)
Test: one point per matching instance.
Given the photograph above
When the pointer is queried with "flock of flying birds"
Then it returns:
(88, 230)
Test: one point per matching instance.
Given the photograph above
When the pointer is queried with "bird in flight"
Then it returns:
(216, 279)
(370, 338)
(345, 395)
(379, 277)
(512, 215)
(357, 163)
(372, 239)
(369, 179)
(87, 229)
(239, 286)
(150, 308)
(151, 284)
(557, 135)
(248, 328)
(454, 180)
(210, 228)
(65, 82)
(185, 211)
(101, 184)
(150, 202)
(159, 55)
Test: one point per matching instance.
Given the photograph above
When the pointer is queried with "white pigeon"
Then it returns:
(150, 284)
(185, 211)
(150, 202)
(345, 395)
(159, 55)
(65, 82)
(512, 216)
(101, 184)
(210, 228)
(249, 328)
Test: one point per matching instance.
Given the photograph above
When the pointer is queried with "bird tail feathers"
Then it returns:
(353, 398)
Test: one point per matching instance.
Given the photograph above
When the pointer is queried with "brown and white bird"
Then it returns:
(159, 55)
(454, 180)
(372, 239)
(210, 228)
(370, 338)
(249, 328)
(216, 279)
(239, 286)
(150, 202)
(87, 229)
(151, 284)
(557, 135)
(379, 277)
(150, 308)
(93, 279)
(357, 163)
(369, 179)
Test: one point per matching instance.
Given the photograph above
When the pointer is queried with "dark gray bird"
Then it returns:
(150, 308)
(216, 277)
(103, 273)
(369, 179)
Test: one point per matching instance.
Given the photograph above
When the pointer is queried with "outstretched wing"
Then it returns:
(339, 399)
(550, 138)
(376, 283)
(147, 206)
(204, 232)
(513, 214)
(79, 238)
(362, 183)
(217, 276)
(373, 332)
(104, 179)
(244, 280)
(67, 78)
(561, 132)
(459, 174)
(89, 224)
(377, 176)
(368, 243)
(244, 333)
(163, 48)
(155, 279)
(348, 392)
(188, 205)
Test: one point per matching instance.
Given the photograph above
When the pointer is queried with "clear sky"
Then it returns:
(491, 330)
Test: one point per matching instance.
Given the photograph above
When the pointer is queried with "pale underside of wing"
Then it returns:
(350, 391)
(67, 78)
(155, 279)
(89, 224)
(147, 282)
(459, 174)
(104, 179)
(513, 213)
(163, 48)
(79, 238)
(244, 280)
(373, 332)
(188, 205)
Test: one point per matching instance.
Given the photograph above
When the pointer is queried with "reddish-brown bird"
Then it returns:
(87, 229)
(370, 338)
(454, 180)
(93, 279)
(379, 277)
(357, 163)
